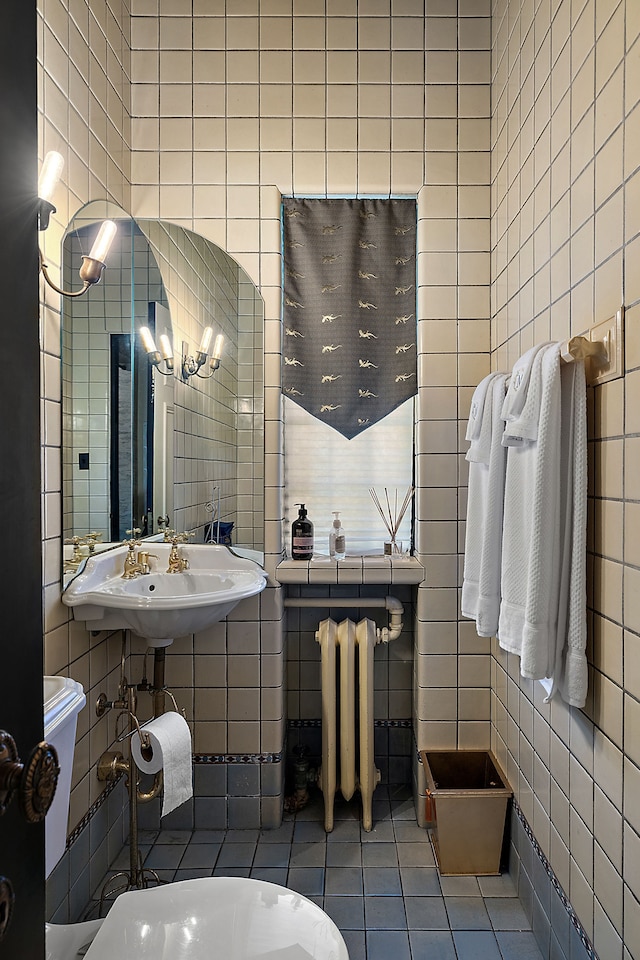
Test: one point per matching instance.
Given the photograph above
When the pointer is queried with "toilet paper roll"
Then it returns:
(170, 751)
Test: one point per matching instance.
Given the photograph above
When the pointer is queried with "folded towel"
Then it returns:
(519, 383)
(524, 426)
(531, 532)
(481, 583)
(477, 408)
(480, 448)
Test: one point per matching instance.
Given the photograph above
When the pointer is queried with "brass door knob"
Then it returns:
(35, 781)
(7, 899)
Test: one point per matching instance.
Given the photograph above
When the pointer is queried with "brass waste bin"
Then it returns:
(466, 807)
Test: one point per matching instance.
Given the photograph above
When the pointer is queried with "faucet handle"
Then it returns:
(185, 536)
(92, 538)
(135, 532)
(77, 556)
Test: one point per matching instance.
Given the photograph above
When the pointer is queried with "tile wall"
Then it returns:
(565, 199)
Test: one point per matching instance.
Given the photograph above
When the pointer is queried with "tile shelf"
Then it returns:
(351, 570)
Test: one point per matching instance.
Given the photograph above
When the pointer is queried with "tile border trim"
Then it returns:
(93, 809)
(240, 758)
(555, 883)
(221, 759)
(300, 724)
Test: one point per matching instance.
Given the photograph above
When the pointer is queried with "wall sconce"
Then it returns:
(92, 265)
(155, 356)
(191, 365)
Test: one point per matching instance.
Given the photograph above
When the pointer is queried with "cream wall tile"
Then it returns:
(276, 66)
(632, 400)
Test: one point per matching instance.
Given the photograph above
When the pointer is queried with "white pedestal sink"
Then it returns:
(160, 606)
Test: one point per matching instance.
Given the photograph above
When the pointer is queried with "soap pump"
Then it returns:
(337, 542)
(301, 535)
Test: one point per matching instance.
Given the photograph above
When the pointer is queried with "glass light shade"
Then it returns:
(103, 241)
(206, 339)
(147, 340)
(50, 174)
(218, 347)
(165, 347)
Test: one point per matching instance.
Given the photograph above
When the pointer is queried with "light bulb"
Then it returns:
(206, 339)
(165, 347)
(218, 347)
(101, 244)
(147, 340)
(50, 174)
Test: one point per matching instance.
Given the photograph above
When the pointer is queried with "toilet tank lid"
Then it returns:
(64, 698)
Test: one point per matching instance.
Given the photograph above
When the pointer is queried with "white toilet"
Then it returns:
(230, 917)
(69, 941)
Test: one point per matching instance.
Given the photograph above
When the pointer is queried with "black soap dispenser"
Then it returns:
(301, 535)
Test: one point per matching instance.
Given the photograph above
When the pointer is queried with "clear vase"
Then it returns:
(393, 548)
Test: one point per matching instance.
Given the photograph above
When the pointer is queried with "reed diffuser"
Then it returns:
(392, 517)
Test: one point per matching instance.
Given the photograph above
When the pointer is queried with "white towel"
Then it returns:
(543, 609)
(487, 458)
(531, 535)
(476, 409)
(570, 674)
(523, 427)
(519, 383)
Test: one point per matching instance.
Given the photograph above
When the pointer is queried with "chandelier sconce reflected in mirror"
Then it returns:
(191, 366)
(155, 356)
(94, 263)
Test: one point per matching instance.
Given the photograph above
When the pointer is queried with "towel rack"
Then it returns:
(579, 348)
(604, 347)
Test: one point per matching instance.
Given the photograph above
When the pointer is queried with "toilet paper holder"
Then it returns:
(139, 728)
(113, 765)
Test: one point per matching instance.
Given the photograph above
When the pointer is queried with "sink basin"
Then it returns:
(160, 606)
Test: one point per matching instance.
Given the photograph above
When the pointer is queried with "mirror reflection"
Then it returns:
(154, 445)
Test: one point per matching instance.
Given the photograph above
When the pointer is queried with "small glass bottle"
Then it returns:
(337, 540)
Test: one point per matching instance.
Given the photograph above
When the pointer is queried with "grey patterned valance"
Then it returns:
(349, 353)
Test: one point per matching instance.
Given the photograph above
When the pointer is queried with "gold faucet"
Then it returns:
(178, 564)
(132, 566)
(89, 541)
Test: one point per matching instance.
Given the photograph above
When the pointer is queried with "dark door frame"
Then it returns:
(21, 712)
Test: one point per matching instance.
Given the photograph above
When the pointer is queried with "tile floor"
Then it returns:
(382, 888)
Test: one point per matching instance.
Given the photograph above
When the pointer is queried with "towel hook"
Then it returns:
(579, 348)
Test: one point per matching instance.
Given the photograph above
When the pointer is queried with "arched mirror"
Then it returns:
(147, 446)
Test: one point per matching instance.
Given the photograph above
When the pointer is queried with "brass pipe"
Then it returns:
(111, 765)
(159, 658)
(156, 787)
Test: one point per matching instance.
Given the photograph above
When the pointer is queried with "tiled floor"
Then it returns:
(381, 888)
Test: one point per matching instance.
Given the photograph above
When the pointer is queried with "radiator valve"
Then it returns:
(303, 775)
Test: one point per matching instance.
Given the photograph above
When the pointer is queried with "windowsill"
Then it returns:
(379, 569)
